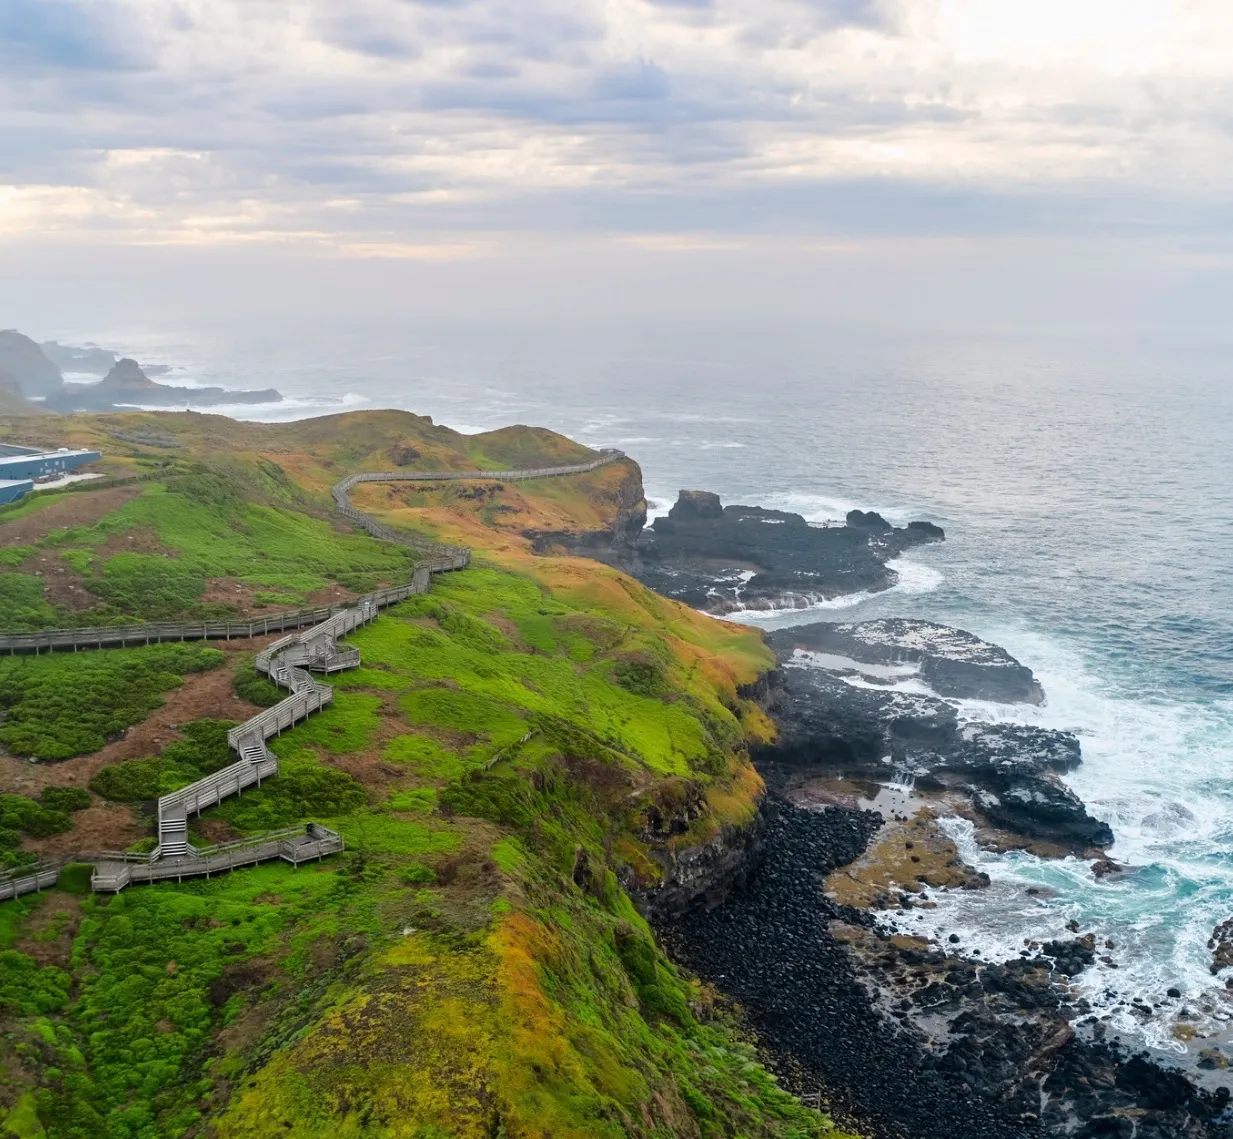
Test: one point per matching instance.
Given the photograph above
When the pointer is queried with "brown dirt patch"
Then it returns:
(333, 594)
(137, 540)
(202, 695)
(208, 831)
(248, 1028)
(237, 595)
(508, 629)
(82, 509)
(242, 597)
(62, 585)
(904, 857)
(49, 931)
(111, 827)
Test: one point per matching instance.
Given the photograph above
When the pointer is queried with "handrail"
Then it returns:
(319, 650)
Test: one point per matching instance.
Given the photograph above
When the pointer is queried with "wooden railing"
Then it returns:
(287, 662)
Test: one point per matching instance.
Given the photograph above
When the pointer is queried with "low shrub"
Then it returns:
(65, 798)
(204, 749)
(256, 688)
(70, 704)
(304, 789)
(18, 813)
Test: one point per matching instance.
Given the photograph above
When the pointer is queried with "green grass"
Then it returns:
(206, 529)
(158, 968)
(483, 686)
(67, 704)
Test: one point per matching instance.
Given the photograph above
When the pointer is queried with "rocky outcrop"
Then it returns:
(724, 558)
(90, 360)
(403, 454)
(834, 717)
(697, 876)
(868, 520)
(24, 360)
(126, 385)
(952, 662)
(1221, 945)
(624, 503)
(696, 506)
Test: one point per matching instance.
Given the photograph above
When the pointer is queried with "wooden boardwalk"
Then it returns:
(290, 662)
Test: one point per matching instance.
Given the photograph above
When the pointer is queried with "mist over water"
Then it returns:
(1087, 494)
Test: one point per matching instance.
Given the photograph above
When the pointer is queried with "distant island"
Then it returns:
(32, 381)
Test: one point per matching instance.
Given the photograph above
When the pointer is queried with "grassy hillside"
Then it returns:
(230, 518)
(521, 746)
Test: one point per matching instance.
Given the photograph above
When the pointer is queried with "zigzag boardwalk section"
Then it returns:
(290, 663)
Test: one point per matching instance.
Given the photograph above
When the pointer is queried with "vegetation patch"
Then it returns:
(67, 704)
(255, 687)
(304, 790)
(51, 813)
(203, 750)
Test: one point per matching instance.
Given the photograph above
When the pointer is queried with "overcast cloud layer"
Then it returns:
(436, 128)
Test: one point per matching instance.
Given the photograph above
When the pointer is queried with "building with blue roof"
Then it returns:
(22, 467)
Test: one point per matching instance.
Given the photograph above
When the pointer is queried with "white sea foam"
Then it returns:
(914, 578)
(1158, 773)
(294, 407)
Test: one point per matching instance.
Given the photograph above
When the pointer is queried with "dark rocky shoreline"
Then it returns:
(909, 1041)
(906, 1038)
(1007, 773)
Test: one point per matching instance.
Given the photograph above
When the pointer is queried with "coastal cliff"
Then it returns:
(525, 752)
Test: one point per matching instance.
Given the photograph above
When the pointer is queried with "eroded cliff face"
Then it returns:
(620, 516)
(698, 875)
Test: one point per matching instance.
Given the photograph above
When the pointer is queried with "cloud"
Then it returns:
(91, 35)
(637, 80)
(384, 121)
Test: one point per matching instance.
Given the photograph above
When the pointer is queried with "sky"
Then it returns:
(868, 158)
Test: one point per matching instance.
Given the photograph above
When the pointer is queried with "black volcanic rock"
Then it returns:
(1008, 772)
(931, 532)
(721, 559)
(917, 1041)
(696, 505)
(25, 362)
(953, 663)
(124, 376)
(867, 520)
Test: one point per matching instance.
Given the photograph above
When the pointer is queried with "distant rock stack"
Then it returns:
(25, 361)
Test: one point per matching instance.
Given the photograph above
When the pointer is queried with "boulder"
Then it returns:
(696, 505)
(867, 520)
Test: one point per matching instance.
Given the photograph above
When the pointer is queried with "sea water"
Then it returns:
(1086, 490)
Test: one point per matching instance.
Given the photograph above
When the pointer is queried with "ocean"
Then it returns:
(1086, 489)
